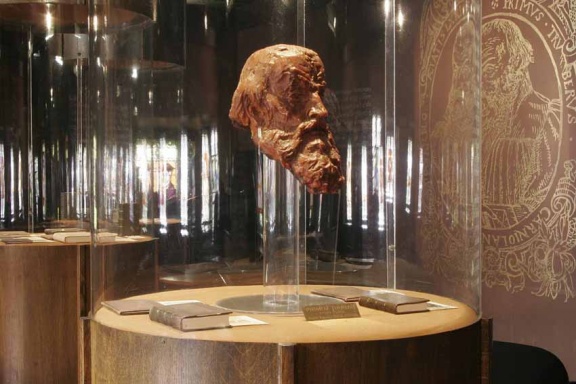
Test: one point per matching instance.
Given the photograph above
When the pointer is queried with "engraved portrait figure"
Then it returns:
(452, 136)
(449, 120)
(521, 129)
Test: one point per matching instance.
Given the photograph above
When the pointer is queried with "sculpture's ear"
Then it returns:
(240, 111)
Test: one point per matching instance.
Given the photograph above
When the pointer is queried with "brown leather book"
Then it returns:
(191, 316)
(343, 293)
(396, 303)
(129, 307)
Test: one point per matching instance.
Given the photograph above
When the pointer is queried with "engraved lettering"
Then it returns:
(571, 99)
(493, 240)
(488, 239)
(526, 7)
(555, 38)
(569, 75)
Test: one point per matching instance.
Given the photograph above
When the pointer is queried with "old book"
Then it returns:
(394, 303)
(72, 237)
(83, 237)
(6, 234)
(191, 316)
(51, 231)
(15, 240)
(106, 237)
(342, 293)
(130, 307)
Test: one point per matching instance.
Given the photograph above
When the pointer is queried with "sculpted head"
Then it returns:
(279, 98)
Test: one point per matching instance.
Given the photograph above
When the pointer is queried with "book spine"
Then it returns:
(379, 305)
(161, 316)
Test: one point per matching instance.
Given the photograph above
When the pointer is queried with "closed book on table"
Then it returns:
(83, 237)
(396, 303)
(130, 307)
(72, 237)
(15, 240)
(343, 293)
(191, 316)
(51, 231)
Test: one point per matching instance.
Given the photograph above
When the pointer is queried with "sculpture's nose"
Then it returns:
(317, 108)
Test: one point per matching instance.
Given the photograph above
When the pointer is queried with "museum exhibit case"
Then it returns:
(247, 154)
(44, 283)
(274, 149)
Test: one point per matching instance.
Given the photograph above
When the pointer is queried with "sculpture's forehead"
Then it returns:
(290, 54)
(303, 66)
(283, 65)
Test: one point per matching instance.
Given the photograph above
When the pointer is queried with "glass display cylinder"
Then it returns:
(282, 235)
(44, 150)
(402, 97)
(43, 158)
(139, 158)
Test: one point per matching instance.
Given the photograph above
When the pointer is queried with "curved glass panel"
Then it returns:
(44, 58)
(174, 175)
(43, 147)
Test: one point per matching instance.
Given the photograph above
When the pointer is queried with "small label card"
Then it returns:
(175, 302)
(434, 306)
(330, 311)
(240, 321)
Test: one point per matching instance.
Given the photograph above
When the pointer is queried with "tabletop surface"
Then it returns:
(372, 325)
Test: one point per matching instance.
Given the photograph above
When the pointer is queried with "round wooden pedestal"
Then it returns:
(432, 347)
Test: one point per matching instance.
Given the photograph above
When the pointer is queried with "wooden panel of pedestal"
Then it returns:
(44, 296)
(41, 306)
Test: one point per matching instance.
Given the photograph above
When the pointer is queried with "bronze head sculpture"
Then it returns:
(279, 99)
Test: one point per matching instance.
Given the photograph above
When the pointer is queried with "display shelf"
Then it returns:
(440, 346)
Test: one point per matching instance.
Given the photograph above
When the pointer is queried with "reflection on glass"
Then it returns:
(206, 209)
(349, 179)
(409, 156)
(364, 187)
(183, 181)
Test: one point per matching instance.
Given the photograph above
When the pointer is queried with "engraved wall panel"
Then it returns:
(529, 172)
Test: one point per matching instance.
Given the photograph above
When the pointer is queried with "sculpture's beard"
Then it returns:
(309, 152)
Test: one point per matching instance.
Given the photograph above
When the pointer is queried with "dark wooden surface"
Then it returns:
(40, 313)
(286, 358)
(127, 357)
(487, 333)
(45, 301)
(451, 357)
